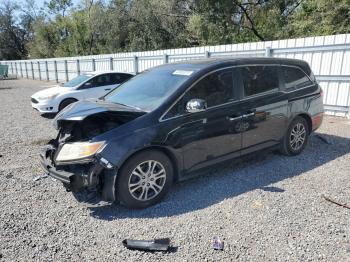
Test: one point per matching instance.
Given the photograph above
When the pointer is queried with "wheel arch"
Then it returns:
(65, 99)
(173, 159)
(308, 119)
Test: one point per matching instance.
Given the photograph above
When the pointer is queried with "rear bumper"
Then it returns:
(316, 121)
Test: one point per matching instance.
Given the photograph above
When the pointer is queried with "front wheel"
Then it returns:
(144, 179)
(65, 103)
(296, 137)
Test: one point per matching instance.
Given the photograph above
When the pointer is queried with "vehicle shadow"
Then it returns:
(232, 179)
(48, 115)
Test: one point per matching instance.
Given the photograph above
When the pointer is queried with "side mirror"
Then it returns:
(87, 85)
(196, 105)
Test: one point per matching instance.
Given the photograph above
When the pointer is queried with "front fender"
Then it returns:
(120, 148)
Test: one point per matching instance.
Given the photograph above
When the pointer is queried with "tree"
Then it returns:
(109, 26)
(321, 17)
(12, 36)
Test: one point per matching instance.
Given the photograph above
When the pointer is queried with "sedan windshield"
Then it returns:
(77, 80)
(150, 89)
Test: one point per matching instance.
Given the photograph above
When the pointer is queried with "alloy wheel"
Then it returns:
(147, 180)
(297, 136)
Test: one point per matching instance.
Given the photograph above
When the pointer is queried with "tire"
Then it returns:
(137, 185)
(296, 137)
(65, 103)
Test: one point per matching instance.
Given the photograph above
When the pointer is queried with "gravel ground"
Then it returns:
(267, 208)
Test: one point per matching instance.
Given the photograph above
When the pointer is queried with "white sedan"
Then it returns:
(84, 86)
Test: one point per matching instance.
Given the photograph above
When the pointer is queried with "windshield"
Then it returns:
(148, 90)
(77, 80)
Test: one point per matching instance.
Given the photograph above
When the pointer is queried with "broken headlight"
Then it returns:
(78, 151)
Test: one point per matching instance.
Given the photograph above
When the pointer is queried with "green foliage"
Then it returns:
(12, 35)
(321, 17)
(108, 26)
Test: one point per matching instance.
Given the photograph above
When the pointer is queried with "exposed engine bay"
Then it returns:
(91, 126)
(83, 169)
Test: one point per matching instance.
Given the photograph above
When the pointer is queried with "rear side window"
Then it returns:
(119, 78)
(295, 78)
(100, 80)
(259, 79)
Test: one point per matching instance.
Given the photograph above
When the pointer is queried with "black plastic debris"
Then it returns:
(218, 244)
(161, 244)
(37, 178)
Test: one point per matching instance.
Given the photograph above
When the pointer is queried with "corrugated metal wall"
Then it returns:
(328, 56)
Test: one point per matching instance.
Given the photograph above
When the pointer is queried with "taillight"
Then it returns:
(321, 92)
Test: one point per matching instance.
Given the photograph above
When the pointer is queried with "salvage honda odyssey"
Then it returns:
(169, 121)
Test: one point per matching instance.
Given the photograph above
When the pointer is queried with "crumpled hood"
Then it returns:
(80, 110)
(50, 91)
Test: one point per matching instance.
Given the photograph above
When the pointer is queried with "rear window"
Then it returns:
(259, 79)
(295, 78)
(119, 78)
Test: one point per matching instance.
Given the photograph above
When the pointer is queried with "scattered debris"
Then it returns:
(257, 205)
(335, 202)
(161, 244)
(37, 178)
(9, 176)
(0, 155)
(324, 139)
(218, 244)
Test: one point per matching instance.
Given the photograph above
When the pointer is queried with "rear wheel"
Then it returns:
(296, 137)
(66, 102)
(144, 179)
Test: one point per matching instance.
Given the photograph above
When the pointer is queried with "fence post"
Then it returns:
(39, 70)
(26, 67)
(93, 64)
(11, 68)
(16, 69)
(111, 63)
(20, 67)
(136, 64)
(165, 59)
(47, 71)
(268, 52)
(206, 54)
(32, 68)
(78, 66)
(66, 70)
(55, 69)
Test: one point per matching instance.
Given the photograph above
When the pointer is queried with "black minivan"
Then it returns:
(160, 126)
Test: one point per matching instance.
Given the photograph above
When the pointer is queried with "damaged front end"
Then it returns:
(74, 156)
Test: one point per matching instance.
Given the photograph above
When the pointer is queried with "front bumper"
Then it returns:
(70, 180)
(90, 183)
(44, 106)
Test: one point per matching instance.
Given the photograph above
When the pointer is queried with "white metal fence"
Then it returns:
(328, 56)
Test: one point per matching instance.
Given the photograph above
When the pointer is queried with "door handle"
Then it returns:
(233, 118)
(248, 115)
(107, 89)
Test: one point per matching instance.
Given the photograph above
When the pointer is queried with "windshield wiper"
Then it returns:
(134, 107)
(137, 108)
